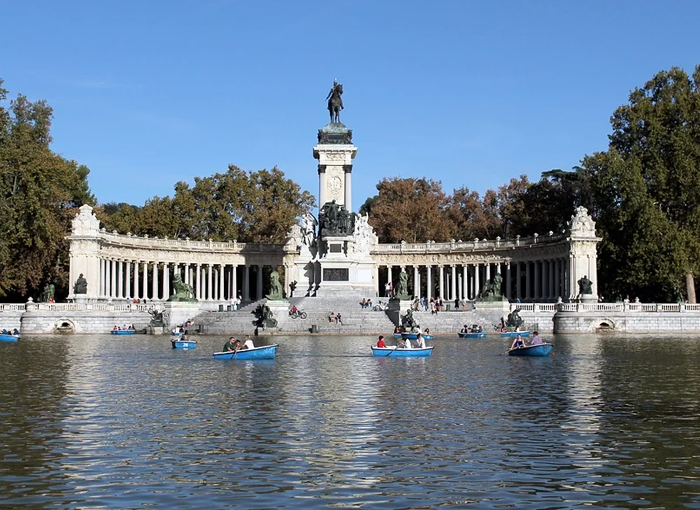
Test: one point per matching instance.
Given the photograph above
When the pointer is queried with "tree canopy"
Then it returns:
(40, 193)
(249, 206)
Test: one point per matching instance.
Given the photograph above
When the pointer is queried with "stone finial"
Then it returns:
(581, 224)
(85, 222)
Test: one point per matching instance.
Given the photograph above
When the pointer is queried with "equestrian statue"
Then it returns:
(335, 102)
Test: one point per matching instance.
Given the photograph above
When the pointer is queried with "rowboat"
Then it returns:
(396, 352)
(532, 350)
(8, 338)
(185, 345)
(513, 334)
(178, 333)
(264, 352)
(427, 336)
(472, 335)
(411, 336)
(123, 331)
(398, 335)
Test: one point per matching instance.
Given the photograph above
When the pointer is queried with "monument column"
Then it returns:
(198, 281)
(477, 284)
(220, 290)
(246, 282)
(536, 294)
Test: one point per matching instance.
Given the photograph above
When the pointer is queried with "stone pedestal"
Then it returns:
(178, 312)
(587, 298)
(397, 308)
(279, 308)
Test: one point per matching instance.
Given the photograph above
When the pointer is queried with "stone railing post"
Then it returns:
(30, 306)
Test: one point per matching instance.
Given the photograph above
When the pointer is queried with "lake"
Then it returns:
(127, 422)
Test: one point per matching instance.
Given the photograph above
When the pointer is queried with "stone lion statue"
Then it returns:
(183, 291)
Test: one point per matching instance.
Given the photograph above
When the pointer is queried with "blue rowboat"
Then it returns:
(398, 335)
(532, 350)
(8, 338)
(264, 352)
(411, 336)
(395, 352)
(427, 336)
(472, 335)
(123, 331)
(185, 345)
(177, 333)
(513, 334)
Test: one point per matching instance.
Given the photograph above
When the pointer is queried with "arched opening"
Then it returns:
(64, 326)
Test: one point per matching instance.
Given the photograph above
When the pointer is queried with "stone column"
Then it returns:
(128, 280)
(389, 277)
(144, 283)
(429, 283)
(154, 283)
(136, 278)
(509, 283)
(348, 187)
(528, 282)
(322, 185)
(166, 280)
(260, 282)
(487, 276)
(465, 282)
(220, 290)
(453, 290)
(198, 282)
(210, 289)
(113, 274)
(477, 284)
(557, 279)
(234, 284)
(188, 280)
(246, 282)
(536, 294)
(120, 279)
(102, 277)
(441, 272)
(416, 282)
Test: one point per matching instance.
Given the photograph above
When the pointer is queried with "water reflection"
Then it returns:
(606, 422)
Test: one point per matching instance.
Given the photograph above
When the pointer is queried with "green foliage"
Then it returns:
(646, 190)
(247, 206)
(40, 192)
(411, 210)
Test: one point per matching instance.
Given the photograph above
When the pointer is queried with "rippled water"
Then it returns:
(104, 422)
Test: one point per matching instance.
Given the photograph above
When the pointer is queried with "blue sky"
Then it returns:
(147, 93)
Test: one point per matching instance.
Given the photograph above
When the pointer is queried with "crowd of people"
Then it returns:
(366, 303)
(14, 332)
(474, 328)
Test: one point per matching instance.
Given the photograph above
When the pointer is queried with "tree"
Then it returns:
(647, 189)
(411, 210)
(40, 191)
(257, 206)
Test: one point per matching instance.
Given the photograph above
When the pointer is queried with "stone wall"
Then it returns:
(10, 319)
(627, 322)
(49, 322)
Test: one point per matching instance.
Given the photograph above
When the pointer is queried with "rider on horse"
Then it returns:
(335, 102)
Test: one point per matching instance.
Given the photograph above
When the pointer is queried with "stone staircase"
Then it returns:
(356, 320)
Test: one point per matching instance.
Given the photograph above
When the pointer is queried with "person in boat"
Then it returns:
(421, 341)
(427, 331)
(230, 345)
(536, 340)
(517, 342)
(115, 328)
(465, 329)
(248, 344)
(15, 332)
(4, 331)
(407, 344)
(479, 329)
(380, 342)
(397, 329)
(184, 337)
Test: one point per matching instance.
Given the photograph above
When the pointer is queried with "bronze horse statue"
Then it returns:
(335, 102)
